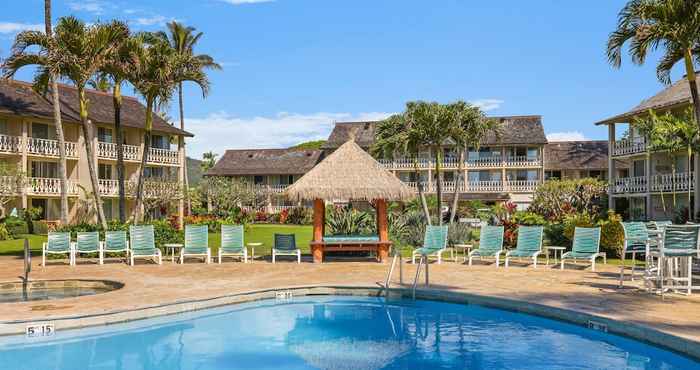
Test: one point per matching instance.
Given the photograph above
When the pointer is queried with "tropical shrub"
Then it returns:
(344, 220)
(612, 234)
(261, 216)
(16, 226)
(4, 234)
(300, 216)
(554, 234)
(31, 214)
(458, 233)
(213, 223)
(557, 199)
(165, 233)
(283, 216)
(528, 218)
(576, 220)
(40, 227)
(471, 209)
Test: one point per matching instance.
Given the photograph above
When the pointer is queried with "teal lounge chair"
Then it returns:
(88, 243)
(679, 242)
(232, 244)
(490, 244)
(637, 241)
(116, 242)
(143, 244)
(196, 243)
(434, 243)
(586, 246)
(285, 245)
(529, 244)
(57, 243)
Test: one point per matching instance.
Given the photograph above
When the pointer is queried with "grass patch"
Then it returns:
(15, 247)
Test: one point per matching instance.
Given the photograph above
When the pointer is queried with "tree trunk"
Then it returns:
(421, 193)
(692, 84)
(62, 175)
(438, 169)
(690, 181)
(455, 199)
(92, 168)
(117, 99)
(181, 145)
(673, 181)
(138, 215)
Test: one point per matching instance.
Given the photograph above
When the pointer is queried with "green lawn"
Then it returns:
(15, 247)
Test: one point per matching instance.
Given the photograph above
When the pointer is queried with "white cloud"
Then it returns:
(487, 104)
(241, 2)
(90, 6)
(12, 27)
(151, 21)
(220, 131)
(566, 136)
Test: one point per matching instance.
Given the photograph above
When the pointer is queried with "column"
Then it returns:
(382, 230)
(316, 244)
(504, 184)
(181, 182)
(647, 195)
(24, 164)
(696, 199)
(611, 165)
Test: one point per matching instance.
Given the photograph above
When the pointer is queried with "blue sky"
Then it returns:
(292, 67)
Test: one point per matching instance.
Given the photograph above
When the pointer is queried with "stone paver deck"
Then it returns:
(148, 285)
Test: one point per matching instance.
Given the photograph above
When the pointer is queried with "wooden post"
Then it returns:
(319, 221)
(383, 230)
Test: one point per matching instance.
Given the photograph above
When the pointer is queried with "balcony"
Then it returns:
(667, 183)
(629, 147)
(269, 189)
(163, 156)
(516, 186)
(453, 163)
(151, 188)
(49, 148)
(10, 144)
(49, 186)
(109, 151)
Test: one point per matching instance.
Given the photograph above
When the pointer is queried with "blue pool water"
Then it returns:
(338, 333)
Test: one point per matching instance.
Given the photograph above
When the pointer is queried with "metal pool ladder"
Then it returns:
(397, 258)
(422, 261)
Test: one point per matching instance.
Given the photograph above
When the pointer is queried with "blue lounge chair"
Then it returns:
(586, 246)
(232, 242)
(529, 244)
(57, 243)
(285, 245)
(490, 244)
(196, 243)
(88, 243)
(434, 243)
(143, 244)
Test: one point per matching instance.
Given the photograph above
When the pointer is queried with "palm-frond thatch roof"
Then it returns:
(349, 173)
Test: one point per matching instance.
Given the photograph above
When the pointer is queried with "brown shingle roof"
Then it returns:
(18, 98)
(265, 162)
(515, 130)
(576, 155)
(677, 94)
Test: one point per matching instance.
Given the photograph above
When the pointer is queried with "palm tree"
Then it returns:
(673, 26)
(393, 137)
(120, 67)
(100, 82)
(158, 72)
(77, 52)
(183, 39)
(56, 102)
(208, 161)
(470, 130)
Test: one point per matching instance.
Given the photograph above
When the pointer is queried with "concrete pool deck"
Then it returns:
(152, 290)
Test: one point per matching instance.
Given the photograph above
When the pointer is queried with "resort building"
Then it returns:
(28, 140)
(576, 160)
(505, 168)
(642, 184)
(269, 171)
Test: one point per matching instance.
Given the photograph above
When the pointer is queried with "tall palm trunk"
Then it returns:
(56, 102)
(438, 169)
(455, 199)
(690, 181)
(117, 100)
(692, 84)
(138, 214)
(89, 149)
(181, 146)
(421, 193)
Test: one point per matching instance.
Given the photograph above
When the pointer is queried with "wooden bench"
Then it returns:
(350, 244)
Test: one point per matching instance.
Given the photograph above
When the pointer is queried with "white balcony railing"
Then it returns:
(50, 147)
(680, 181)
(519, 186)
(636, 184)
(163, 156)
(627, 146)
(453, 163)
(108, 188)
(109, 151)
(269, 189)
(523, 161)
(10, 144)
(490, 161)
(49, 186)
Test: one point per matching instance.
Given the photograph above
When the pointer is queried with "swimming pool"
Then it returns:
(338, 332)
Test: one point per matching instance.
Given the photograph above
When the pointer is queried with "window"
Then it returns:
(3, 127)
(40, 203)
(639, 168)
(43, 131)
(105, 171)
(153, 172)
(107, 206)
(597, 174)
(104, 135)
(286, 179)
(532, 154)
(45, 169)
(551, 175)
(448, 176)
(258, 180)
(160, 142)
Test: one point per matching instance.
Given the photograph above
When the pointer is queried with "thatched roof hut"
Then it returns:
(349, 173)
